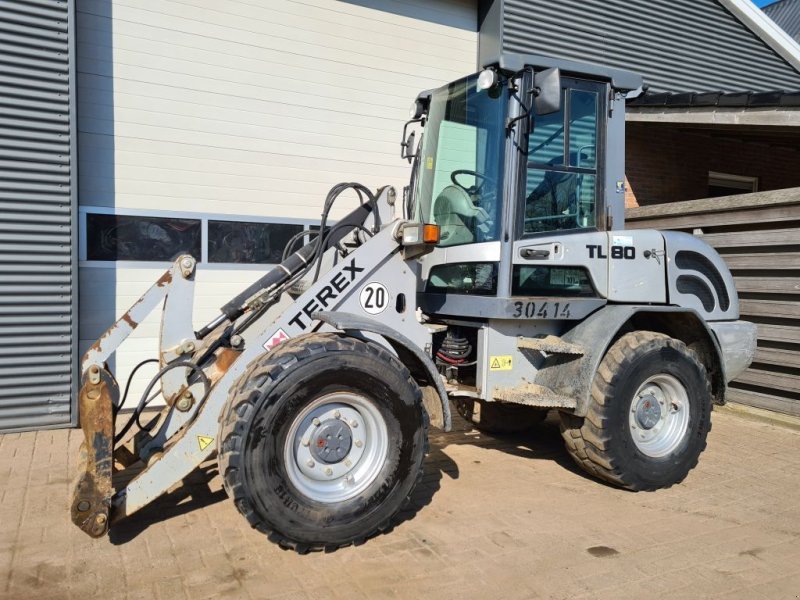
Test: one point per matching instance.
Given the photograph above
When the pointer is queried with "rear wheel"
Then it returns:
(649, 414)
(323, 441)
(498, 417)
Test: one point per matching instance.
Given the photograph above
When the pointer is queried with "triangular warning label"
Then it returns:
(495, 364)
(204, 441)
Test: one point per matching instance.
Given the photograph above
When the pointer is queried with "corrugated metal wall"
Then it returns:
(677, 45)
(37, 215)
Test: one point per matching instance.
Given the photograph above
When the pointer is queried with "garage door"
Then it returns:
(218, 128)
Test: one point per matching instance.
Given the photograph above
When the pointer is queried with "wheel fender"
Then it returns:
(596, 333)
(422, 368)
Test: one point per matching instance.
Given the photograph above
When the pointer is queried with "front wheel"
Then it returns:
(649, 414)
(323, 441)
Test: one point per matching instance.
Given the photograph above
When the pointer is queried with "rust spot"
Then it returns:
(165, 279)
(225, 358)
(91, 501)
(127, 318)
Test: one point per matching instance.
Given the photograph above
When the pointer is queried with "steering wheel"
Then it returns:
(480, 180)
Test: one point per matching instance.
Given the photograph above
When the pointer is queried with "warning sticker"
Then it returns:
(500, 363)
(204, 441)
(275, 339)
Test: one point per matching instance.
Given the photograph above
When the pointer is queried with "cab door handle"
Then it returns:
(533, 253)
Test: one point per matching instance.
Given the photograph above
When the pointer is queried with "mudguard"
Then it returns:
(418, 363)
(572, 376)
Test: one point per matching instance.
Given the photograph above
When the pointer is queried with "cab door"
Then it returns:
(560, 248)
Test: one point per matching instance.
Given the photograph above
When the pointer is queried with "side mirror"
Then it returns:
(408, 147)
(547, 91)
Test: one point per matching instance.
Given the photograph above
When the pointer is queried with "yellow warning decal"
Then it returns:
(500, 363)
(204, 441)
(429, 163)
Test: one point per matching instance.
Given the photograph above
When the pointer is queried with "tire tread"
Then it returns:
(240, 407)
(587, 439)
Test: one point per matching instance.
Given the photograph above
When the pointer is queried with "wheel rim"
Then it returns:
(336, 447)
(659, 415)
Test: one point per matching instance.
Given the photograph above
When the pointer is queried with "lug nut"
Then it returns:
(347, 463)
(100, 519)
(315, 421)
(310, 463)
(328, 471)
(337, 415)
(353, 423)
(358, 443)
(306, 442)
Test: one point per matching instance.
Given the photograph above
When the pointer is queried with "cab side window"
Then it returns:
(562, 179)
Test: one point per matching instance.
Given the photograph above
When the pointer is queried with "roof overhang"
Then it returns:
(716, 115)
(765, 28)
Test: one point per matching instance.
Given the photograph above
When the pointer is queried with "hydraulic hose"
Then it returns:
(302, 258)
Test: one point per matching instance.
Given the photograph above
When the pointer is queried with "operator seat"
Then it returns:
(457, 216)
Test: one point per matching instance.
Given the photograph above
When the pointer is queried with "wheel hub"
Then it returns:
(332, 441)
(648, 411)
(336, 447)
(659, 415)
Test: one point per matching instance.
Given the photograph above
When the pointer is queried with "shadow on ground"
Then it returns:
(541, 443)
(194, 494)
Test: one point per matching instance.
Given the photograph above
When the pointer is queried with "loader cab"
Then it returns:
(510, 186)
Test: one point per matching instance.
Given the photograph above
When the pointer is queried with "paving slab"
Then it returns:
(494, 517)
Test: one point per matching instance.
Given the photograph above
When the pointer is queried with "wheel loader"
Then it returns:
(501, 282)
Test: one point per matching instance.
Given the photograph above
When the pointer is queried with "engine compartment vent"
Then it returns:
(694, 286)
(694, 261)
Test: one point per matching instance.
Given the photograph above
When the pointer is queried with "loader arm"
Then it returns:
(199, 368)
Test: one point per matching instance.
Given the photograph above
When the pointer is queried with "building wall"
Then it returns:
(243, 110)
(676, 45)
(37, 215)
(665, 163)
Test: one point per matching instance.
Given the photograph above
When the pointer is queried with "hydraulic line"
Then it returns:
(146, 398)
(301, 261)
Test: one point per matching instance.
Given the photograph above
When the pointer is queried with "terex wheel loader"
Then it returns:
(506, 284)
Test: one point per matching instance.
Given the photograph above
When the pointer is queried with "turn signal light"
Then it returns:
(430, 234)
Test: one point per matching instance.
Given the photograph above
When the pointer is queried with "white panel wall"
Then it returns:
(246, 108)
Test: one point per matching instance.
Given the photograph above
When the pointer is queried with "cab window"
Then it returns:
(562, 181)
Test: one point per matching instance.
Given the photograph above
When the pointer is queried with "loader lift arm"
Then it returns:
(191, 364)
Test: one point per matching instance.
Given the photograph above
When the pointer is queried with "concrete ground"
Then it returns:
(494, 518)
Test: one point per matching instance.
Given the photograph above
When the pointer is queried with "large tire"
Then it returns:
(649, 414)
(498, 417)
(294, 462)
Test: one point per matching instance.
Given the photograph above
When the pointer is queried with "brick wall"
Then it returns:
(665, 163)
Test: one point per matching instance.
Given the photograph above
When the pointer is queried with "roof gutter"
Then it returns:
(765, 28)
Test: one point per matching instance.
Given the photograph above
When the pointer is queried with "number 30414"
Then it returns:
(540, 310)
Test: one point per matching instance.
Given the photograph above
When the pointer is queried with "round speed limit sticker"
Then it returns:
(374, 298)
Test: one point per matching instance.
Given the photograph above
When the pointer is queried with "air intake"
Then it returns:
(690, 284)
(694, 261)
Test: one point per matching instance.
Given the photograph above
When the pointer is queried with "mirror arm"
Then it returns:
(404, 150)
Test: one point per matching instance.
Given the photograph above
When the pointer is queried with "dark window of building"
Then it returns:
(726, 184)
(247, 242)
(128, 237)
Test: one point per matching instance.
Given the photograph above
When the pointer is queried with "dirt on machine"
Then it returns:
(500, 282)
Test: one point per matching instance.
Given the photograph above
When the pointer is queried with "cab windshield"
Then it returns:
(459, 183)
